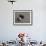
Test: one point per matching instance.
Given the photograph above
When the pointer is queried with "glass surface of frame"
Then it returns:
(22, 17)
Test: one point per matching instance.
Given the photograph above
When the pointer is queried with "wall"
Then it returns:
(37, 31)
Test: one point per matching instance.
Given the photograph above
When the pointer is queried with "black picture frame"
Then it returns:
(28, 14)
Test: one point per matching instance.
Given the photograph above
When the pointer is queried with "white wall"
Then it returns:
(38, 30)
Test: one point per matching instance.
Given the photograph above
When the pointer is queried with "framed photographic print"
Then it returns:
(22, 17)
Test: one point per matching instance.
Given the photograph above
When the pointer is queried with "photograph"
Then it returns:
(22, 17)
